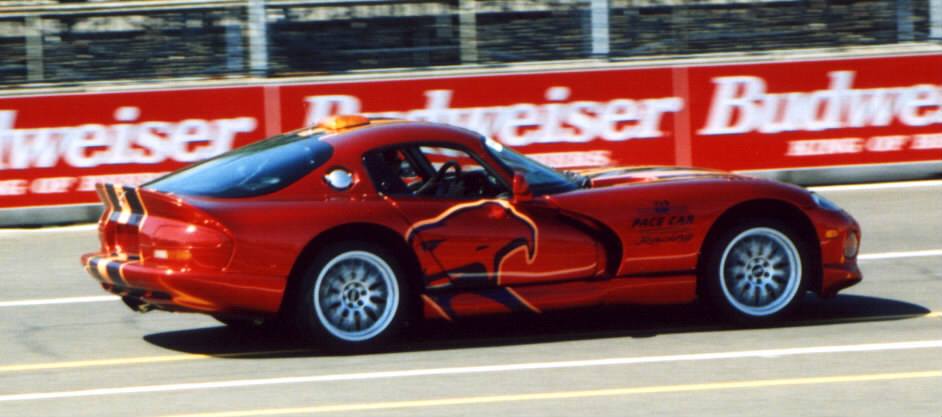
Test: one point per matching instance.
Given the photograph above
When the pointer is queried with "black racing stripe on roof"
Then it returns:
(133, 200)
(112, 196)
(113, 201)
(137, 207)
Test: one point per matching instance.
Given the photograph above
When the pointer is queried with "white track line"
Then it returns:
(66, 300)
(894, 255)
(47, 230)
(878, 186)
(528, 366)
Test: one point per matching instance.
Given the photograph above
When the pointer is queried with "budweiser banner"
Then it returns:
(815, 114)
(761, 116)
(54, 149)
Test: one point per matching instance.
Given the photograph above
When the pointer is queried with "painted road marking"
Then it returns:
(878, 186)
(894, 255)
(528, 366)
(564, 395)
(66, 300)
(143, 360)
(140, 360)
(47, 230)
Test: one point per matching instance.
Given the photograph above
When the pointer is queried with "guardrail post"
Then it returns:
(235, 53)
(258, 38)
(34, 48)
(904, 21)
(600, 28)
(468, 31)
(935, 19)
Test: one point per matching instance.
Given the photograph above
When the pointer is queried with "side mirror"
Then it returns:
(521, 189)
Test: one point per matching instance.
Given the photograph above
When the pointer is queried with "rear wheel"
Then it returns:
(756, 270)
(353, 298)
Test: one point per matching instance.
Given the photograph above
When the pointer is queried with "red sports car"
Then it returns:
(354, 227)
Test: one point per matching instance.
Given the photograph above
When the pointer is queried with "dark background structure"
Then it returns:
(62, 41)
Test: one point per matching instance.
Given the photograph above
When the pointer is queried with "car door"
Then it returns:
(464, 228)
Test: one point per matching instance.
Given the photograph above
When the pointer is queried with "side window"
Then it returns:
(431, 171)
(397, 161)
(455, 173)
(393, 170)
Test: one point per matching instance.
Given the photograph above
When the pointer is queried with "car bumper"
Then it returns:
(145, 287)
(839, 238)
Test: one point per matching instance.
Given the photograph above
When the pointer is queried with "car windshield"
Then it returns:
(541, 178)
(259, 168)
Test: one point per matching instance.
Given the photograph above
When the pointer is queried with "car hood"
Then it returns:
(642, 174)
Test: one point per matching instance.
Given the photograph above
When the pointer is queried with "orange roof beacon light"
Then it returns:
(343, 121)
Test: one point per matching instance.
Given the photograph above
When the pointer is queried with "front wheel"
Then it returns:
(353, 298)
(756, 270)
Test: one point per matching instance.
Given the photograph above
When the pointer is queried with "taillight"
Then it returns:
(179, 244)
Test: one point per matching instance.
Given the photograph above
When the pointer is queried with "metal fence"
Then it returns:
(43, 41)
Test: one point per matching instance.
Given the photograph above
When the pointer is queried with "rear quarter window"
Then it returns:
(256, 169)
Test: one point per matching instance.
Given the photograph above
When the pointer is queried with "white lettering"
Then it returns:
(917, 99)
(81, 147)
(927, 141)
(51, 185)
(13, 187)
(871, 108)
(733, 108)
(574, 159)
(33, 148)
(887, 143)
(522, 124)
(520, 117)
(582, 116)
(186, 136)
(616, 118)
(653, 110)
(824, 146)
(128, 142)
(87, 183)
(742, 104)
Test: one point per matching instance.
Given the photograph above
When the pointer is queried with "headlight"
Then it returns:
(851, 245)
(824, 203)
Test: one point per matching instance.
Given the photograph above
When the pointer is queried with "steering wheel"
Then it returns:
(437, 178)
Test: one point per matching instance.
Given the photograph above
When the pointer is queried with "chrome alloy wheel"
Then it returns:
(760, 271)
(356, 295)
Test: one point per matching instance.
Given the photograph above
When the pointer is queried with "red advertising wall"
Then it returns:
(816, 113)
(53, 149)
(585, 118)
(838, 112)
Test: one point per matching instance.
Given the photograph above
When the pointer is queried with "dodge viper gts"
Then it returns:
(350, 229)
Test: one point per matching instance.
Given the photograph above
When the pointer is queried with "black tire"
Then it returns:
(353, 298)
(756, 270)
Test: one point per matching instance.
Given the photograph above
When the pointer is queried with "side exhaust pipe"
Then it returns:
(137, 304)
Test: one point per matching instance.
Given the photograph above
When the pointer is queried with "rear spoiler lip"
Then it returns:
(128, 205)
(123, 203)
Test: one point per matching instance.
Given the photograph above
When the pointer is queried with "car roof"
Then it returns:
(358, 133)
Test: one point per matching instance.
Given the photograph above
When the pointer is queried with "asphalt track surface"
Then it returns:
(876, 350)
